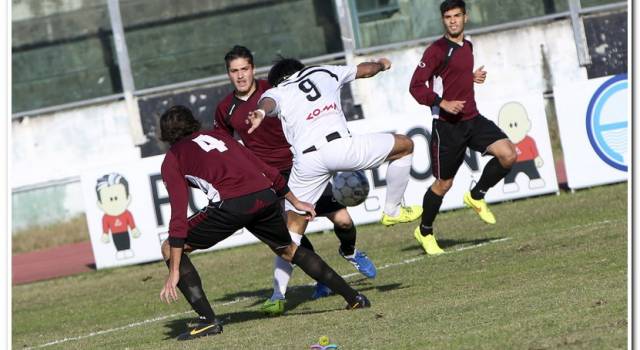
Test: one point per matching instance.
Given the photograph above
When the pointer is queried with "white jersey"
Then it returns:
(308, 104)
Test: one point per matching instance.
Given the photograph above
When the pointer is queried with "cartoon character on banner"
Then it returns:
(113, 199)
(514, 121)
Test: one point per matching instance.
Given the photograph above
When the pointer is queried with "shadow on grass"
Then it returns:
(448, 243)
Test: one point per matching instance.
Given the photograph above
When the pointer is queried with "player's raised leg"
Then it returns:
(397, 178)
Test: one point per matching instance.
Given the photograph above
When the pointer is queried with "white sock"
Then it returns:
(397, 179)
(281, 276)
(282, 271)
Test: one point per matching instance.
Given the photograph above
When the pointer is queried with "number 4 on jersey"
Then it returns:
(207, 143)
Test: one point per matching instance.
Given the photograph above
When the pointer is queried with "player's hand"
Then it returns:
(453, 107)
(135, 232)
(168, 294)
(539, 162)
(105, 238)
(479, 75)
(385, 63)
(255, 119)
(307, 208)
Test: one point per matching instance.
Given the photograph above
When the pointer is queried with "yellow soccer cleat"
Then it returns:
(428, 242)
(407, 214)
(480, 207)
(273, 307)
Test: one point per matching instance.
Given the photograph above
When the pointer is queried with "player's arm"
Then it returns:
(302, 206)
(369, 69)
(423, 92)
(266, 107)
(178, 198)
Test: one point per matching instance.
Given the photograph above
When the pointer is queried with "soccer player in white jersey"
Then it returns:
(307, 101)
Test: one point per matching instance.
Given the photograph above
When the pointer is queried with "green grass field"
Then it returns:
(552, 273)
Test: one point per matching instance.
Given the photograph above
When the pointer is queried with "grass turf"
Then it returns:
(551, 274)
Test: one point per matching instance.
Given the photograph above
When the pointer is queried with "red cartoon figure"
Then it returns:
(113, 198)
(514, 121)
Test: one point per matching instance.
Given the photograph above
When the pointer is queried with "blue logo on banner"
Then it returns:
(607, 121)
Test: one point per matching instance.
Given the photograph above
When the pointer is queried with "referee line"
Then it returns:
(403, 262)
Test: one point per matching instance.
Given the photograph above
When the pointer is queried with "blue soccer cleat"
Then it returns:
(321, 291)
(361, 262)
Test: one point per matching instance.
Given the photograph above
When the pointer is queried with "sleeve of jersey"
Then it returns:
(218, 120)
(346, 74)
(419, 89)
(279, 182)
(272, 94)
(178, 198)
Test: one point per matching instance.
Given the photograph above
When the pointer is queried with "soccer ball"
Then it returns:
(350, 188)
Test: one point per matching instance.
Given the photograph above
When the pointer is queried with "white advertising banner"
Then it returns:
(593, 118)
(129, 220)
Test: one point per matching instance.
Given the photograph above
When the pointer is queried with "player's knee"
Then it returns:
(342, 220)
(441, 187)
(287, 252)
(508, 155)
(405, 144)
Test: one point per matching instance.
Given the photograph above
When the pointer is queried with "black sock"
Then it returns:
(431, 203)
(191, 287)
(317, 269)
(347, 239)
(492, 174)
(305, 242)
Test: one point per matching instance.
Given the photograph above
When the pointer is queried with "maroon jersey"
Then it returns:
(452, 63)
(218, 165)
(268, 141)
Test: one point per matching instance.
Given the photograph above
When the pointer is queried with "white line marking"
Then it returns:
(404, 262)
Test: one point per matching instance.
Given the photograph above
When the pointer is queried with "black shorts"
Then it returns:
(327, 204)
(450, 140)
(121, 240)
(212, 225)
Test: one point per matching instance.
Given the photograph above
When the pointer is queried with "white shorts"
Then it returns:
(312, 171)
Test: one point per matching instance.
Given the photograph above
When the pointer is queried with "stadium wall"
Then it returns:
(99, 135)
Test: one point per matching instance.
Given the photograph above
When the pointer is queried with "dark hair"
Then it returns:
(176, 123)
(282, 69)
(238, 51)
(109, 180)
(452, 4)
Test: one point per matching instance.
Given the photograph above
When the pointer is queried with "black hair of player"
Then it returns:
(282, 69)
(111, 179)
(448, 5)
(176, 123)
(238, 51)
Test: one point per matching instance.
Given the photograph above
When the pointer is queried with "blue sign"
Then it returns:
(607, 121)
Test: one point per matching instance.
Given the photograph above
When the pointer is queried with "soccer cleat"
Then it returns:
(407, 214)
(273, 307)
(196, 321)
(361, 262)
(428, 242)
(203, 329)
(480, 207)
(360, 303)
(321, 291)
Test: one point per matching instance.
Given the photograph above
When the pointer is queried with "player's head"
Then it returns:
(454, 16)
(176, 123)
(282, 69)
(113, 193)
(240, 69)
(514, 121)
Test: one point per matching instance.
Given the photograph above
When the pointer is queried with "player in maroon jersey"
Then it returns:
(243, 192)
(457, 124)
(270, 145)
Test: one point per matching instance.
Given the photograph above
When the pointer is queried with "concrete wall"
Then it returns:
(62, 144)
